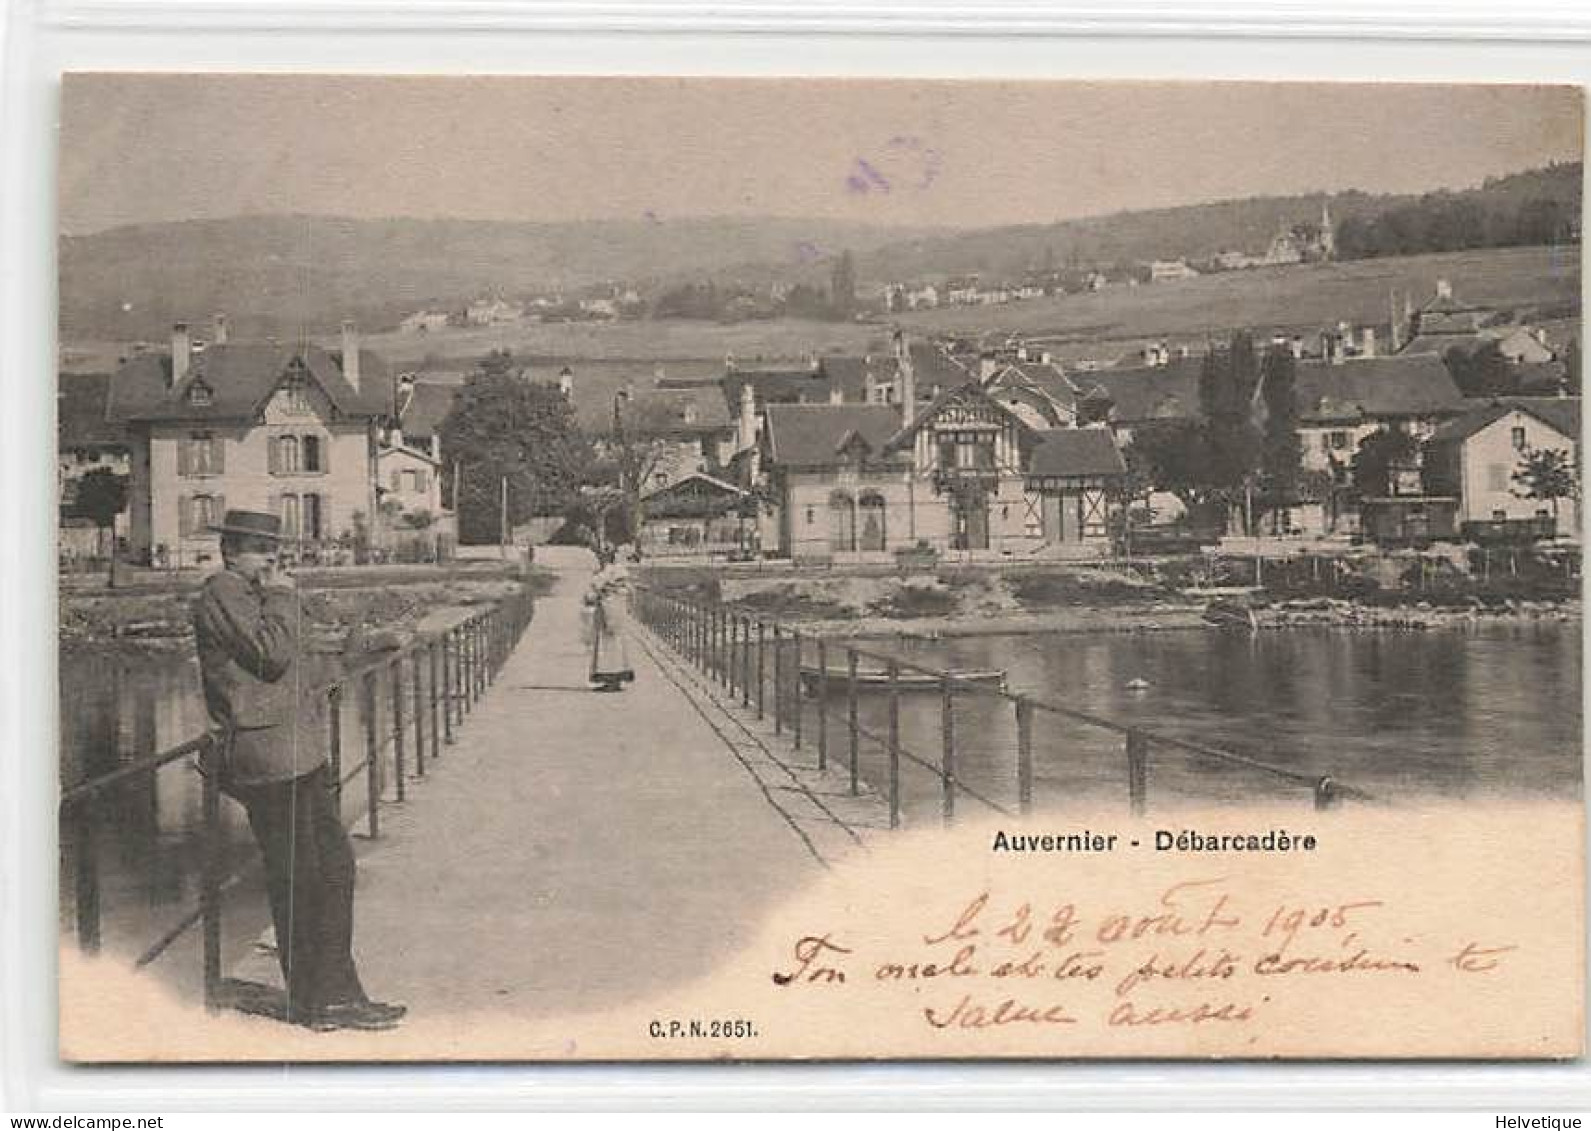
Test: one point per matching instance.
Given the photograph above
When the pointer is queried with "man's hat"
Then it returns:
(255, 523)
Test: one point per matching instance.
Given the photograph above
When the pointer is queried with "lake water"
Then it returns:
(1479, 712)
(1484, 711)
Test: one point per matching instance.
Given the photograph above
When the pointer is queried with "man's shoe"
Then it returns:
(368, 1015)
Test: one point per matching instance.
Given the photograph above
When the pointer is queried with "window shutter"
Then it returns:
(324, 444)
(273, 456)
(217, 454)
(218, 507)
(184, 514)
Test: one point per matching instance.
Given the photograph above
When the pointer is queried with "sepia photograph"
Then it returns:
(631, 569)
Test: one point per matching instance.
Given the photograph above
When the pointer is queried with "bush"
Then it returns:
(914, 601)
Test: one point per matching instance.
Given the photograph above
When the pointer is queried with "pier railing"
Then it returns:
(410, 704)
(810, 686)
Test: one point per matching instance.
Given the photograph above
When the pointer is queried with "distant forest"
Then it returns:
(1538, 207)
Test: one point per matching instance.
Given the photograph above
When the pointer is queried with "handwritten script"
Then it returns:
(1196, 956)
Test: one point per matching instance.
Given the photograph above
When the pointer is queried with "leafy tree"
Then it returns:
(504, 426)
(632, 449)
(1571, 368)
(1484, 372)
(1227, 383)
(842, 291)
(1378, 454)
(1549, 474)
(1281, 451)
(101, 496)
(1173, 455)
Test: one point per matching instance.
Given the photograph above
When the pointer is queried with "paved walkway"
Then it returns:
(577, 850)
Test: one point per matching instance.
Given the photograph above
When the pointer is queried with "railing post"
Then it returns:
(372, 758)
(947, 746)
(795, 687)
(436, 698)
(894, 745)
(822, 692)
(334, 743)
(762, 636)
(745, 662)
(1137, 771)
(850, 708)
(85, 880)
(1024, 754)
(450, 669)
(213, 867)
(778, 680)
(395, 682)
(1327, 795)
(418, 699)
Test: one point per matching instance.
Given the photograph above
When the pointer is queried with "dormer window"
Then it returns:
(199, 394)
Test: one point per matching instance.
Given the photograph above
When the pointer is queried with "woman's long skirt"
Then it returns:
(610, 660)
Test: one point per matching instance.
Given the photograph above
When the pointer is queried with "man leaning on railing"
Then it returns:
(270, 758)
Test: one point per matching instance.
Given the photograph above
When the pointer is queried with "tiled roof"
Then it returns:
(1561, 413)
(813, 435)
(241, 376)
(778, 386)
(421, 414)
(1076, 452)
(80, 411)
(1373, 387)
(661, 412)
(1142, 393)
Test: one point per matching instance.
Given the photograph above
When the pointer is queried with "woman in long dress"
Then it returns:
(607, 597)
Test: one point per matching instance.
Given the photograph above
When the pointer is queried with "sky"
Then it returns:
(147, 148)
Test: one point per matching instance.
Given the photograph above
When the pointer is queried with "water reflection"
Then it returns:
(1487, 711)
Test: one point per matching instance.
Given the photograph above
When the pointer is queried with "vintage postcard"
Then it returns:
(685, 569)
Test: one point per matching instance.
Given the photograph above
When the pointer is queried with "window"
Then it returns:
(199, 394)
(314, 517)
(842, 522)
(289, 513)
(197, 513)
(874, 522)
(1519, 438)
(287, 457)
(397, 480)
(1499, 516)
(295, 392)
(312, 460)
(1339, 441)
(200, 453)
(1541, 512)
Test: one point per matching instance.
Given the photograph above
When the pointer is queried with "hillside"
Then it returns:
(284, 275)
(1201, 231)
(281, 274)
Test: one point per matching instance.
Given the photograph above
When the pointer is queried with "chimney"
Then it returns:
(748, 417)
(1444, 289)
(836, 395)
(1297, 347)
(351, 354)
(1367, 339)
(1397, 326)
(218, 334)
(181, 353)
(869, 388)
(1336, 349)
(985, 366)
(566, 383)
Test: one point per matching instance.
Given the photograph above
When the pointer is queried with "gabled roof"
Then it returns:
(1438, 342)
(778, 386)
(1375, 387)
(424, 408)
(1155, 392)
(1076, 452)
(849, 374)
(815, 435)
(1559, 413)
(699, 482)
(241, 377)
(657, 412)
(932, 366)
(80, 412)
(971, 389)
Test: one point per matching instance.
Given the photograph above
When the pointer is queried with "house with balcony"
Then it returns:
(289, 429)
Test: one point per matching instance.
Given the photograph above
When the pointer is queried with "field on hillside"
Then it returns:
(1300, 299)
(1542, 282)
